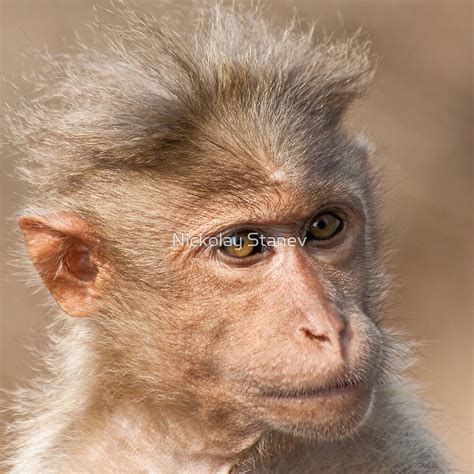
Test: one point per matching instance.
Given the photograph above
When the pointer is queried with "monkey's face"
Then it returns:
(248, 303)
(272, 307)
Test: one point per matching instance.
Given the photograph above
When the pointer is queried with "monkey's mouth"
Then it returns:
(334, 389)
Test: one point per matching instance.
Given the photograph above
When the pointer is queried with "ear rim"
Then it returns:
(43, 237)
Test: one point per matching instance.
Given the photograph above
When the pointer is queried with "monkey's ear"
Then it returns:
(64, 251)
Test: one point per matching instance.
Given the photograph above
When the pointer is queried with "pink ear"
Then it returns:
(63, 249)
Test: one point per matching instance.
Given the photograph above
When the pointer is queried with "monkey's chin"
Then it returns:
(325, 416)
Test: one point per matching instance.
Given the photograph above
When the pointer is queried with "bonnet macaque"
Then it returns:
(207, 228)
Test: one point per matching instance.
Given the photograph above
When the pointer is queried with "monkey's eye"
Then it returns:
(324, 226)
(242, 244)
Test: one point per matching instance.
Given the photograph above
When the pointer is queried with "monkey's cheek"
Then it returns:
(327, 417)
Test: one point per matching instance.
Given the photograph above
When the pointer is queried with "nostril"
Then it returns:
(311, 335)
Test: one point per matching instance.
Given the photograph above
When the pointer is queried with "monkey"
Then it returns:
(208, 230)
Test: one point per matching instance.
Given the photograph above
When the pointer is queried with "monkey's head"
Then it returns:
(204, 215)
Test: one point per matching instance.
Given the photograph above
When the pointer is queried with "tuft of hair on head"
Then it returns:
(158, 87)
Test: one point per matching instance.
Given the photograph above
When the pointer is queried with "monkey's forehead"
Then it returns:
(262, 195)
(332, 169)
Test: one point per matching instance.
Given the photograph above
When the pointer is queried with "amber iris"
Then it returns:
(241, 245)
(324, 226)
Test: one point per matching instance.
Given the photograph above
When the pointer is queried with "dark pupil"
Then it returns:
(321, 224)
(238, 241)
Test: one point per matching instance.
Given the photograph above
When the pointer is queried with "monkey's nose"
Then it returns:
(329, 335)
(312, 334)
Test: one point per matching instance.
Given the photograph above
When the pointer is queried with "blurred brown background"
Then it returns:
(419, 114)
